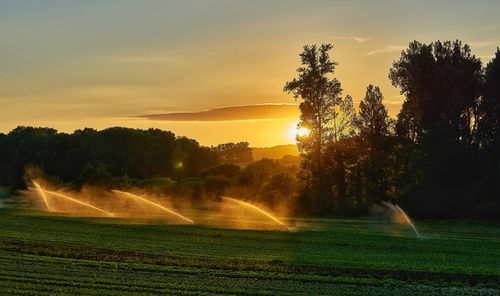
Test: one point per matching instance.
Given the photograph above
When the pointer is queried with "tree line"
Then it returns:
(116, 152)
(440, 158)
(153, 160)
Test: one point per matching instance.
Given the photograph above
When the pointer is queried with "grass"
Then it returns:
(50, 254)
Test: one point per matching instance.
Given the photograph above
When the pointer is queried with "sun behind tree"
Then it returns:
(296, 133)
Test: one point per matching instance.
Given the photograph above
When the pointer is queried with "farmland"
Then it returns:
(55, 254)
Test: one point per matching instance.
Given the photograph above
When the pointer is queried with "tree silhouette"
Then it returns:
(240, 153)
(373, 119)
(374, 133)
(489, 137)
(346, 119)
(490, 103)
(441, 83)
(320, 94)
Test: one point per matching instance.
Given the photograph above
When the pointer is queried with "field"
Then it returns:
(45, 254)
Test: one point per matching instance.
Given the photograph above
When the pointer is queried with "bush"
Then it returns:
(190, 188)
(216, 185)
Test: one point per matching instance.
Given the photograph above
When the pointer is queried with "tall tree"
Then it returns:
(490, 103)
(346, 120)
(374, 131)
(338, 156)
(320, 94)
(373, 119)
(441, 83)
(489, 130)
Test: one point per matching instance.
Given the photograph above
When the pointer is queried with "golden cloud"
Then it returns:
(232, 113)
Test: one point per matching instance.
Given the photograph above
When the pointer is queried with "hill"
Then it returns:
(275, 152)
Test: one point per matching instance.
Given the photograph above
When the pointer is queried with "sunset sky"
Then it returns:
(75, 64)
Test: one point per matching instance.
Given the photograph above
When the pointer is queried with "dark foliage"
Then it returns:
(239, 153)
(90, 156)
(441, 157)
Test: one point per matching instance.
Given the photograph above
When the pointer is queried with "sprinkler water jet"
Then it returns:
(257, 209)
(144, 200)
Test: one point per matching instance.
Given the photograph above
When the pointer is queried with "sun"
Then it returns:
(296, 132)
(302, 132)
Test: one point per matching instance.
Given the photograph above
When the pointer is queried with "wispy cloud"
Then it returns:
(142, 59)
(232, 113)
(391, 48)
(357, 39)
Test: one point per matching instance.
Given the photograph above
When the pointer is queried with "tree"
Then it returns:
(441, 84)
(95, 174)
(338, 155)
(239, 153)
(489, 131)
(320, 94)
(192, 158)
(347, 121)
(258, 173)
(24, 146)
(373, 119)
(374, 131)
(490, 104)
(437, 126)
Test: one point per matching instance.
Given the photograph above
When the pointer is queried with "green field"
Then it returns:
(61, 255)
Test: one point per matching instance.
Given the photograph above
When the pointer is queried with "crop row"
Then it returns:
(22, 273)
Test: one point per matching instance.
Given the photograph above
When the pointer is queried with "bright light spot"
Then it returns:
(296, 132)
(302, 132)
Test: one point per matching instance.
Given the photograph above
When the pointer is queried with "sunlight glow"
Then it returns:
(296, 132)
(302, 132)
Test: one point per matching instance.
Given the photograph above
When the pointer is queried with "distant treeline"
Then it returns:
(154, 160)
(440, 158)
(118, 151)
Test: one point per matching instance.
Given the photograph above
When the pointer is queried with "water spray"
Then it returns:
(142, 199)
(398, 209)
(64, 196)
(255, 208)
(408, 220)
(40, 192)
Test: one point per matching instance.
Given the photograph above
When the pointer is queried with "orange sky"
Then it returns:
(70, 65)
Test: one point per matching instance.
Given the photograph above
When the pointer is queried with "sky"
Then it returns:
(222, 64)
